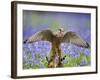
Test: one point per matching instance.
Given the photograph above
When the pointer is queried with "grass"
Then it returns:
(81, 60)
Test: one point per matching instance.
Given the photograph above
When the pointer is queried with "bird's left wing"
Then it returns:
(46, 35)
(72, 37)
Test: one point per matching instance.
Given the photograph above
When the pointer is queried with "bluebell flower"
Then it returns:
(83, 62)
(87, 52)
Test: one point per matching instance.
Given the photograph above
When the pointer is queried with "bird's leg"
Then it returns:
(60, 56)
(55, 57)
(51, 61)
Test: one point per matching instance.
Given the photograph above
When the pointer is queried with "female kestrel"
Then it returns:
(56, 38)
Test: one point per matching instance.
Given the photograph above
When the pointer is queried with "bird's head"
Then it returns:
(60, 33)
(61, 30)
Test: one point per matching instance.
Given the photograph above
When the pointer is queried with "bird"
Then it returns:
(56, 38)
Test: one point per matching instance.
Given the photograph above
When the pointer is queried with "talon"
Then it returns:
(63, 58)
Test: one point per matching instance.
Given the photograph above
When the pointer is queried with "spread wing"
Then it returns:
(72, 37)
(45, 35)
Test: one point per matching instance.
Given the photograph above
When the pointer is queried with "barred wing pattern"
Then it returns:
(46, 35)
(72, 37)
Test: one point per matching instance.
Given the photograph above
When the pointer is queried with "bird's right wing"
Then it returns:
(72, 37)
(45, 35)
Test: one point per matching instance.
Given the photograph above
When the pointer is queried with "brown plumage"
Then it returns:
(56, 38)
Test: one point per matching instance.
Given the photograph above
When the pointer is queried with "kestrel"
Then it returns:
(56, 38)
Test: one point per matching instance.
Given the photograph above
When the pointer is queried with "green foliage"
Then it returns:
(70, 62)
(44, 62)
(29, 55)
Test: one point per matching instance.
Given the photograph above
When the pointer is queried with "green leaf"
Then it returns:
(88, 58)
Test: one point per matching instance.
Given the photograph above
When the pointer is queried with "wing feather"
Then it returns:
(72, 37)
(45, 35)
